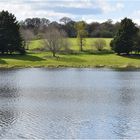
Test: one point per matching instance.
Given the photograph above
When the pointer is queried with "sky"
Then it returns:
(88, 10)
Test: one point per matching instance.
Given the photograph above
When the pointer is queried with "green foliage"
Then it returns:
(100, 44)
(45, 59)
(124, 40)
(10, 38)
(69, 28)
(106, 29)
(88, 58)
(136, 46)
(81, 29)
(81, 33)
(65, 20)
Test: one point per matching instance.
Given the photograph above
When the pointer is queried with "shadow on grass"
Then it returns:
(132, 56)
(71, 58)
(96, 52)
(89, 52)
(22, 57)
(2, 61)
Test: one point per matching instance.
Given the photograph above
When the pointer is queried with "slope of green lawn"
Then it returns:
(89, 43)
(37, 44)
(45, 59)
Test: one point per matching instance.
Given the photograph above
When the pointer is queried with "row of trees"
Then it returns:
(38, 25)
(14, 38)
(56, 40)
(126, 39)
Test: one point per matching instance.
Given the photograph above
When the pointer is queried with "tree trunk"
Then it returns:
(81, 48)
(53, 54)
(27, 45)
(81, 45)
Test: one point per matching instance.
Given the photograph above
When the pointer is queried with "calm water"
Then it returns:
(69, 103)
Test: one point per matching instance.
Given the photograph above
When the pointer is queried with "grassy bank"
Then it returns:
(86, 59)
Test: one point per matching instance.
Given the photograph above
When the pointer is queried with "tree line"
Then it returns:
(37, 26)
(15, 36)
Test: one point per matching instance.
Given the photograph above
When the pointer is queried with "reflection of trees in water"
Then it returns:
(9, 92)
(121, 127)
(126, 104)
(7, 119)
(126, 88)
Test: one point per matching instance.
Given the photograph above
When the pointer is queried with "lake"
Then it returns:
(69, 103)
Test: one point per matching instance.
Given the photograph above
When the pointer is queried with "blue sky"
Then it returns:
(88, 10)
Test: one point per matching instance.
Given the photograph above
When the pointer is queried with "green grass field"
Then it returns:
(37, 44)
(45, 59)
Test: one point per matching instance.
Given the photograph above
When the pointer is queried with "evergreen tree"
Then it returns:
(136, 47)
(10, 38)
(124, 40)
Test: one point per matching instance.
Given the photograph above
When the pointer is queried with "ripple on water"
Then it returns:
(69, 103)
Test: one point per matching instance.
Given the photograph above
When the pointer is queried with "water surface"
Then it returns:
(69, 103)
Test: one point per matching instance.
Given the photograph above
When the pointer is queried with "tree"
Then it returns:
(81, 33)
(124, 40)
(10, 38)
(28, 35)
(65, 20)
(94, 29)
(44, 23)
(136, 47)
(69, 29)
(99, 44)
(54, 40)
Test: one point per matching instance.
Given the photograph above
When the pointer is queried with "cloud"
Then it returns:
(56, 9)
(24, 10)
(107, 7)
(119, 5)
(136, 13)
(135, 16)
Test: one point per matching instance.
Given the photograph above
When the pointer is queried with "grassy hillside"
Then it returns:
(36, 44)
(45, 59)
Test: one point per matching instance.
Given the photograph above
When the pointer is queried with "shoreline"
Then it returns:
(127, 67)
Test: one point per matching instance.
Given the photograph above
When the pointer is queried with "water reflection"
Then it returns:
(7, 119)
(9, 91)
(69, 103)
(128, 93)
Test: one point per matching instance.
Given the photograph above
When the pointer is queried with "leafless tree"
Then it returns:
(65, 20)
(28, 35)
(55, 40)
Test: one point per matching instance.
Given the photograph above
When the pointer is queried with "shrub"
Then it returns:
(99, 44)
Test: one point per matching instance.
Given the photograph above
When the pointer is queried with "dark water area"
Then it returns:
(69, 103)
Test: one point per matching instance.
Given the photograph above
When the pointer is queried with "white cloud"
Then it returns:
(136, 13)
(107, 7)
(119, 5)
(24, 10)
(47, 8)
(136, 16)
